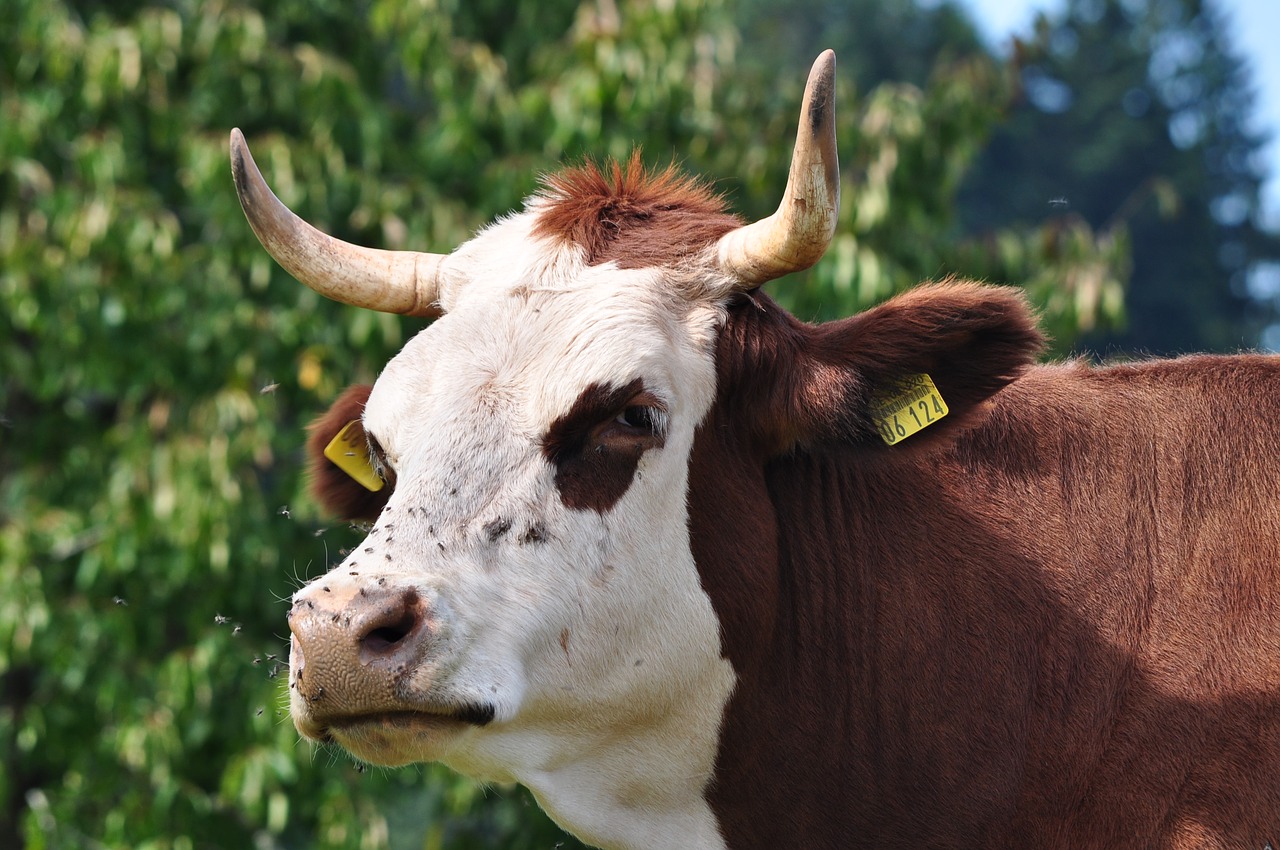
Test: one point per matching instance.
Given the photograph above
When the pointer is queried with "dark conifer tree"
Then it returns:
(1136, 116)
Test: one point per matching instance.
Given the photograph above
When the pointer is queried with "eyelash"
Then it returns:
(378, 458)
(643, 418)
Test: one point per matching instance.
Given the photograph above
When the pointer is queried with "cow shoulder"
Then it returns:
(796, 384)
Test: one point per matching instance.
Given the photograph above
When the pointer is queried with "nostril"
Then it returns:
(385, 637)
(385, 633)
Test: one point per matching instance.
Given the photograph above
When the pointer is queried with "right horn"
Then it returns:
(796, 236)
(405, 282)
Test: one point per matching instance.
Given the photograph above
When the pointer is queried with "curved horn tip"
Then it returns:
(820, 107)
(404, 282)
(820, 90)
(241, 164)
(238, 146)
(797, 235)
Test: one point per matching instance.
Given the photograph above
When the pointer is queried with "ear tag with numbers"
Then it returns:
(909, 406)
(350, 453)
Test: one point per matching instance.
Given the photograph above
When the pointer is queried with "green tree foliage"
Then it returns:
(157, 369)
(878, 41)
(1135, 122)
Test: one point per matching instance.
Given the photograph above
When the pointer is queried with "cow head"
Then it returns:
(526, 605)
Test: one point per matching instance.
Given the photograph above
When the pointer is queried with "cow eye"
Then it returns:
(379, 460)
(636, 416)
(640, 417)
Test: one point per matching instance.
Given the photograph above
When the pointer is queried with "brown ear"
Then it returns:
(336, 491)
(810, 384)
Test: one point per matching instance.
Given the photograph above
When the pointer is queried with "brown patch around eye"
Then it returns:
(596, 446)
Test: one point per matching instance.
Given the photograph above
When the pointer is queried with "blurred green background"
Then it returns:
(157, 369)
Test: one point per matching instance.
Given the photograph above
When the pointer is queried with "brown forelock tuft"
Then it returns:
(632, 216)
(807, 384)
(339, 493)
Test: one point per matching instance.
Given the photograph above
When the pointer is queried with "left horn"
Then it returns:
(797, 235)
(405, 282)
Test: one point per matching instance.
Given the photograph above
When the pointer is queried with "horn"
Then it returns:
(404, 282)
(797, 235)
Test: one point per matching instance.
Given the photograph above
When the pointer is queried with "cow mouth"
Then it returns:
(404, 721)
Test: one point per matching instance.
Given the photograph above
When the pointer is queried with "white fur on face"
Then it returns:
(588, 632)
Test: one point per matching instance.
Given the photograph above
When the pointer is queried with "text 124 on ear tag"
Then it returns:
(911, 406)
(350, 453)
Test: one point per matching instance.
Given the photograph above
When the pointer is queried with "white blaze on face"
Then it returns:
(539, 435)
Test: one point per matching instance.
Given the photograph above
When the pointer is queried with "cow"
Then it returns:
(702, 575)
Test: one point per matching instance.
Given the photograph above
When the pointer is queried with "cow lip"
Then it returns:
(410, 719)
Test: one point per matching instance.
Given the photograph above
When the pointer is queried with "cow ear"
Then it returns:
(810, 384)
(971, 340)
(336, 491)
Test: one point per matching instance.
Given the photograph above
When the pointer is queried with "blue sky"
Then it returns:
(1255, 30)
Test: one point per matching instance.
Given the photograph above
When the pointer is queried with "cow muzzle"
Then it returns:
(363, 665)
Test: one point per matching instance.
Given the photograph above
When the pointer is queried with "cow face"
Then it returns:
(530, 566)
(526, 605)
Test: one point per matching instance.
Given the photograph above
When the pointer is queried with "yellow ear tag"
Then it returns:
(909, 406)
(350, 453)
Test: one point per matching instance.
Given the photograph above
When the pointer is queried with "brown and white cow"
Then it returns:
(654, 548)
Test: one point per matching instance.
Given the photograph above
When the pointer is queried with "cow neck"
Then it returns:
(806, 556)
(926, 641)
(818, 563)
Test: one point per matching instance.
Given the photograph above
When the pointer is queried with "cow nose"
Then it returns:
(392, 632)
(352, 647)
